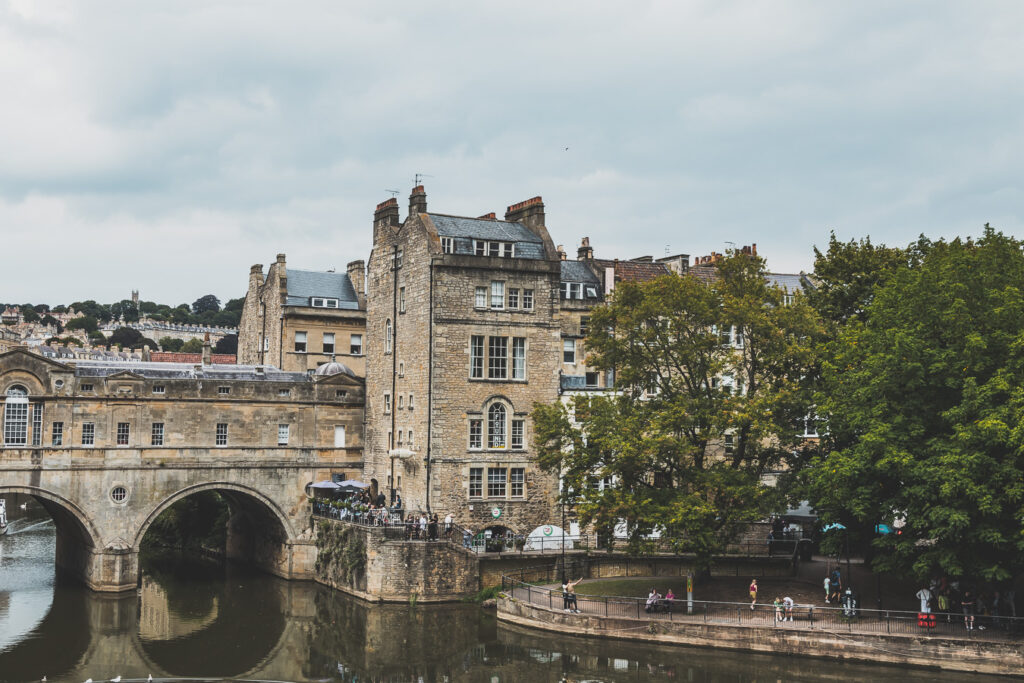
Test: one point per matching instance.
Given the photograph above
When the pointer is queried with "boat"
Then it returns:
(3, 516)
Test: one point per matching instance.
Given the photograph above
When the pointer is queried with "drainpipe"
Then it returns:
(430, 372)
(394, 361)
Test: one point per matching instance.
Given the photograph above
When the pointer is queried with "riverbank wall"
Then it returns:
(1003, 658)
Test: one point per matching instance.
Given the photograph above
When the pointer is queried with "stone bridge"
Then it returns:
(99, 536)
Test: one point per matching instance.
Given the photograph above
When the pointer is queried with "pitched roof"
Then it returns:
(248, 373)
(633, 271)
(788, 281)
(178, 357)
(465, 230)
(576, 271)
(306, 284)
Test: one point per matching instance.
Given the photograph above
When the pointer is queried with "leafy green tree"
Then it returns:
(712, 380)
(96, 338)
(192, 346)
(924, 398)
(50, 321)
(227, 344)
(127, 337)
(66, 341)
(91, 308)
(60, 309)
(181, 315)
(847, 274)
(171, 344)
(206, 303)
(28, 312)
(86, 322)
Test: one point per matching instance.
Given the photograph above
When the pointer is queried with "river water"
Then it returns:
(204, 620)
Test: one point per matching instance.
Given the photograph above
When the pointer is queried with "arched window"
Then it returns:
(16, 416)
(387, 336)
(496, 426)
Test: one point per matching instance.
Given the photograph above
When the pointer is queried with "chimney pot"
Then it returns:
(489, 216)
(418, 200)
(280, 258)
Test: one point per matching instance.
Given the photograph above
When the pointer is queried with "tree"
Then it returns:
(206, 303)
(924, 398)
(93, 309)
(66, 341)
(86, 322)
(125, 308)
(227, 344)
(127, 337)
(50, 321)
(192, 346)
(171, 344)
(96, 338)
(28, 312)
(712, 380)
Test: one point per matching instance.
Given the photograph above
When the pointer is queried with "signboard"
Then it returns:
(547, 530)
(495, 512)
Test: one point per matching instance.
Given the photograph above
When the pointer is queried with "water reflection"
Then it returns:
(208, 620)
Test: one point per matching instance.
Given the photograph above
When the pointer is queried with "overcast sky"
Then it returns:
(169, 146)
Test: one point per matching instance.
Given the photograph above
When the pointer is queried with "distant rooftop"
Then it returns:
(465, 230)
(149, 370)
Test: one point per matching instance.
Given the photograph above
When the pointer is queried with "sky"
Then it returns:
(167, 147)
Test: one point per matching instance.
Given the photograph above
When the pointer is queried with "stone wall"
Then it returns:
(361, 561)
(957, 655)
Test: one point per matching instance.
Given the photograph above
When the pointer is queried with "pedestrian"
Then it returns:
(925, 596)
(571, 588)
(565, 593)
(778, 608)
(433, 527)
(828, 583)
(652, 600)
(943, 602)
(967, 602)
(449, 521)
(753, 593)
(787, 604)
(423, 526)
(771, 538)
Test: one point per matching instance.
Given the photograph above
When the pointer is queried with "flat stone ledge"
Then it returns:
(1006, 659)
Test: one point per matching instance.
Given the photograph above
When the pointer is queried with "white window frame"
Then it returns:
(480, 298)
(57, 434)
(519, 358)
(283, 432)
(497, 295)
(401, 299)
(447, 245)
(477, 354)
(517, 437)
(388, 329)
(476, 434)
(159, 389)
(527, 299)
(497, 427)
(124, 433)
(355, 344)
(497, 358)
(221, 435)
(16, 419)
(513, 298)
(88, 433)
(301, 343)
(569, 347)
(516, 480)
(156, 434)
(331, 342)
(476, 476)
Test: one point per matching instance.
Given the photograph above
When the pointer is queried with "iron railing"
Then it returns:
(850, 619)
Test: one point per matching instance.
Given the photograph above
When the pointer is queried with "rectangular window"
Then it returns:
(156, 436)
(513, 297)
(592, 379)
(527, 299)
(476, 356)
(518, 433)
(476, 433)
(408, 440)
(355, 344)
(399, 437)
(401, 299)
(391, 440)
(518, 357)
(387, 403)
(496, 480)
(222, 434)
(86, 387)
(122, 433)
(339, 436)
(223, 391)
(37, 424)
(507, 249)
(497, 358)
(282, 435)
(398, 259)
(158, 388)
(15, 422)
(730, 444)
(572, 290)
(516, 481)
(494, 248)
(57, 434)
(476, 482)
(401, 368)
(300, 342)
(341, 393)
(410, 401)
(328, 342)
(284, 393)
(479, 247)
(401, 401)
(584, 326)
(497, 294)
(88, 433)
(569, 351)
(447, 245)
(481, 297)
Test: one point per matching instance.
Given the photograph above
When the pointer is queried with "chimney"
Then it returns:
(385, 216)
(530, 213)
(489, 216)
(561, 252)
(280, 258)
(357, 274)
(418, 200)
(145, 353)
(207, 351)
(585, 251)
(255, 275)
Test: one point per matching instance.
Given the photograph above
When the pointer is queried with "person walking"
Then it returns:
(449, 522)
(565, 593)
(967, 603)
(828, 584)
(753, 593)
(925, 596)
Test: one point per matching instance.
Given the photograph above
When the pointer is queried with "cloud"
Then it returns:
(168, 147)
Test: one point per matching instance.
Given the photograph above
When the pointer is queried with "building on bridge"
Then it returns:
(105, 446)
(298, 320)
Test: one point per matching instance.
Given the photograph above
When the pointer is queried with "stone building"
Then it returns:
(171, 410)
(464, 337)
(297, 320)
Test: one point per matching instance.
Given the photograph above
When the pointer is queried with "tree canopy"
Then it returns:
(208, 303)
(227, 344)
(923, 395)
(712, 381)
(171, 343)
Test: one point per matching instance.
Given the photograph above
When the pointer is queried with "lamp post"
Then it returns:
(561, 504)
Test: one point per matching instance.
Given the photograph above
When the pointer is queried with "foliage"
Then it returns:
(86, 322)
(171, 343)
(50, 321)
(924, 395)
(227, 344)
(92, 309)
(192, 346)
(97, 338)
(126, 337)
(663, 447)
(66, 341)
(206, 303)
(197, 521)
(125, 308)
(28, 312)
(341, 554)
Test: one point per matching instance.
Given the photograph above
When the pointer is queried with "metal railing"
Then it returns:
(850, 619)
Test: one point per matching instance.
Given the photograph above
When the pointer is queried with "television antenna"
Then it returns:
(418, 178)
(393, 193)
(732, 245)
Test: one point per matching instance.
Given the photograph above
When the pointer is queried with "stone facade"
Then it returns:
(105, 447)
(287, 318)
(436, 307)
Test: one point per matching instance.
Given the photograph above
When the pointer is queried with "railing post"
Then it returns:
(810, 611)
(887, 627)
(637, 609)
(606, 606)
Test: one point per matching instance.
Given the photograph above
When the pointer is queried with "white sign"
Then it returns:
(495, 512)
(547, 531)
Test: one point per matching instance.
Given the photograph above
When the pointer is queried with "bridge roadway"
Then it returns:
(98, 537)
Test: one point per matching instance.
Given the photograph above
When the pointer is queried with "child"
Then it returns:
(778, 608)
(828, 584)
(753, 593)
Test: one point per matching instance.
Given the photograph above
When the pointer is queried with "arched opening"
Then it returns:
(223, 521)
(495, 539)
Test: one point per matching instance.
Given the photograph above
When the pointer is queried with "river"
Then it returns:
(205, 620)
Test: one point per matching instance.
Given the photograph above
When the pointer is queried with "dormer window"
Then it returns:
(499, 249)
(573, 290)
(323, 302)
(447, 245)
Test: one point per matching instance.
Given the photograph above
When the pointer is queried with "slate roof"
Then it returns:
(788, 281)
(633, 271)
(576, 271)
(304, 284)
(219, 373)
(465, 230)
